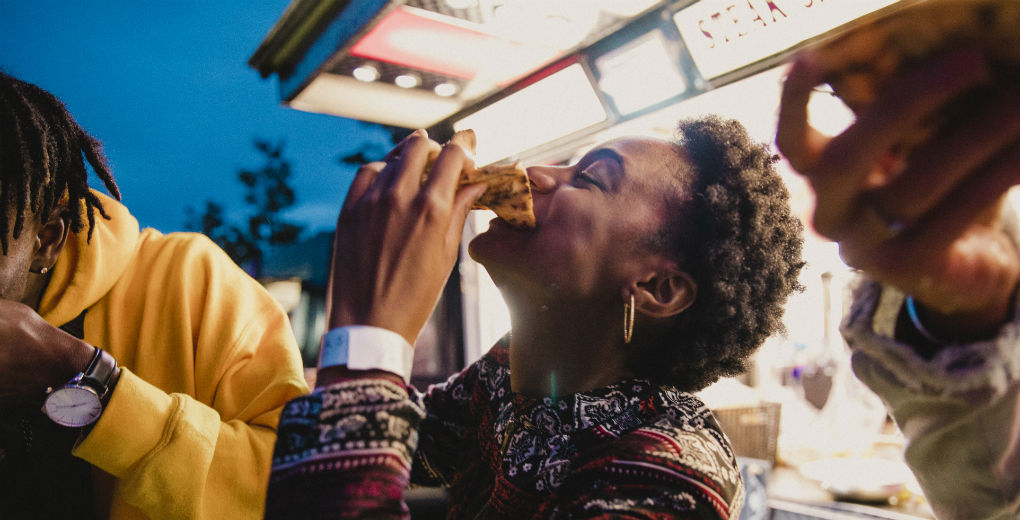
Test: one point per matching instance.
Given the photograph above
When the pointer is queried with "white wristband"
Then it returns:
(361, 347)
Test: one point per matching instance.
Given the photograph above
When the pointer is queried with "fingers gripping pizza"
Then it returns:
(508, 192)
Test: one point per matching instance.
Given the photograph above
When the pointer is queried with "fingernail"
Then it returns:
(807, 64)
(481, 191)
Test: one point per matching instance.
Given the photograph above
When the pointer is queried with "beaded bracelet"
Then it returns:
(916, 320)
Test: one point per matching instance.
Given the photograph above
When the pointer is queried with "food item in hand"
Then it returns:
(508, 193)
(509, 190)
(863, 58)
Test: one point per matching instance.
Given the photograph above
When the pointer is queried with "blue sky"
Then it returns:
(167, 88)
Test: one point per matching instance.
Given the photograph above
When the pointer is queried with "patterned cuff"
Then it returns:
(350, 419)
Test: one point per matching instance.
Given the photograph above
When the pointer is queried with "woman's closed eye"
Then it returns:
(592, 175)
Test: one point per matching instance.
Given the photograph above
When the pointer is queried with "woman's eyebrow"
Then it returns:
(603, 153)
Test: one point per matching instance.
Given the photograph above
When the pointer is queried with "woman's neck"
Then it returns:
(560, 349)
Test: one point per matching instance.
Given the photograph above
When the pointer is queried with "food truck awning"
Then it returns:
(539, 74)
(414, 63)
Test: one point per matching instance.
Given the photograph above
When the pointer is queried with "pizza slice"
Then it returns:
(508, 192)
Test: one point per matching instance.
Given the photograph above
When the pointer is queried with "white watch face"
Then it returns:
(73, 406)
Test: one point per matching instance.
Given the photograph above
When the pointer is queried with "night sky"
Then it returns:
(167, 88)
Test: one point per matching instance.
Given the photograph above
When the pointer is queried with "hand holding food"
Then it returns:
(400, 228)
(508, 191)
(914, 189)
(862, 61)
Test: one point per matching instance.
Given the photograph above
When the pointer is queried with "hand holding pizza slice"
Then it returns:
(914, 189)
(399, 230)
(862, 61)
(508, 191)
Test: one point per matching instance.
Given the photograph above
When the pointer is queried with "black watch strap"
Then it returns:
(99, 372)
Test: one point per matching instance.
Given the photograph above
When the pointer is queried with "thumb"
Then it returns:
(466, 197)
(798, 141)
(462, 203)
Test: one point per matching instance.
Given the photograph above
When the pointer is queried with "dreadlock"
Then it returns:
(43, 151)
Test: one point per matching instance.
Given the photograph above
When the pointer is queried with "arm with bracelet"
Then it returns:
(956, 401)
(921, 209)
(379, 299)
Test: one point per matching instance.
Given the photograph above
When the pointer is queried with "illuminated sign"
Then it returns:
(724, 35)
(418, 39)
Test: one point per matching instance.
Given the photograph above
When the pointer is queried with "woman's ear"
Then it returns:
(51, 237)
(664, 293)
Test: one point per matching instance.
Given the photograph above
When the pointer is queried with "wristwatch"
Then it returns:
(80, 401)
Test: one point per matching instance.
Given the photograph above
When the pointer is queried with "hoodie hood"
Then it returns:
(86, 270)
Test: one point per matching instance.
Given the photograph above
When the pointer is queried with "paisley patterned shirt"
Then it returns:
(629, 450)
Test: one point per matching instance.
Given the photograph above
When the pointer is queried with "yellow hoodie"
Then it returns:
(208, 360)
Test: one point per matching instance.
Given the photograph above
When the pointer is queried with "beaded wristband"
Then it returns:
(918, 326)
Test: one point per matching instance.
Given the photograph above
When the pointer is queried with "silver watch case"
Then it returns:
(79, 402)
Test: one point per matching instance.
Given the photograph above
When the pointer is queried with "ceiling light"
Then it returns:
(366, 73)
(407, 80)
(445, 89)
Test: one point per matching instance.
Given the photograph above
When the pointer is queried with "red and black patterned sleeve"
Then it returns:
(652, 473)
(457, 410)
(344, 451)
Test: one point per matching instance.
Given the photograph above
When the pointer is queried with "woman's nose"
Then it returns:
(543, 178)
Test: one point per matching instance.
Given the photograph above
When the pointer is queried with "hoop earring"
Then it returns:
(628, 320)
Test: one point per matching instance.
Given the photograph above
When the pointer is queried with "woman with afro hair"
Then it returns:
(654, 269)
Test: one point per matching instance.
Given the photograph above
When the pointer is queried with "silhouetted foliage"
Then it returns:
(267, 194)
(369, 151)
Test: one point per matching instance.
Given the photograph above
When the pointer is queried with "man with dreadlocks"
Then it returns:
(141, 374)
